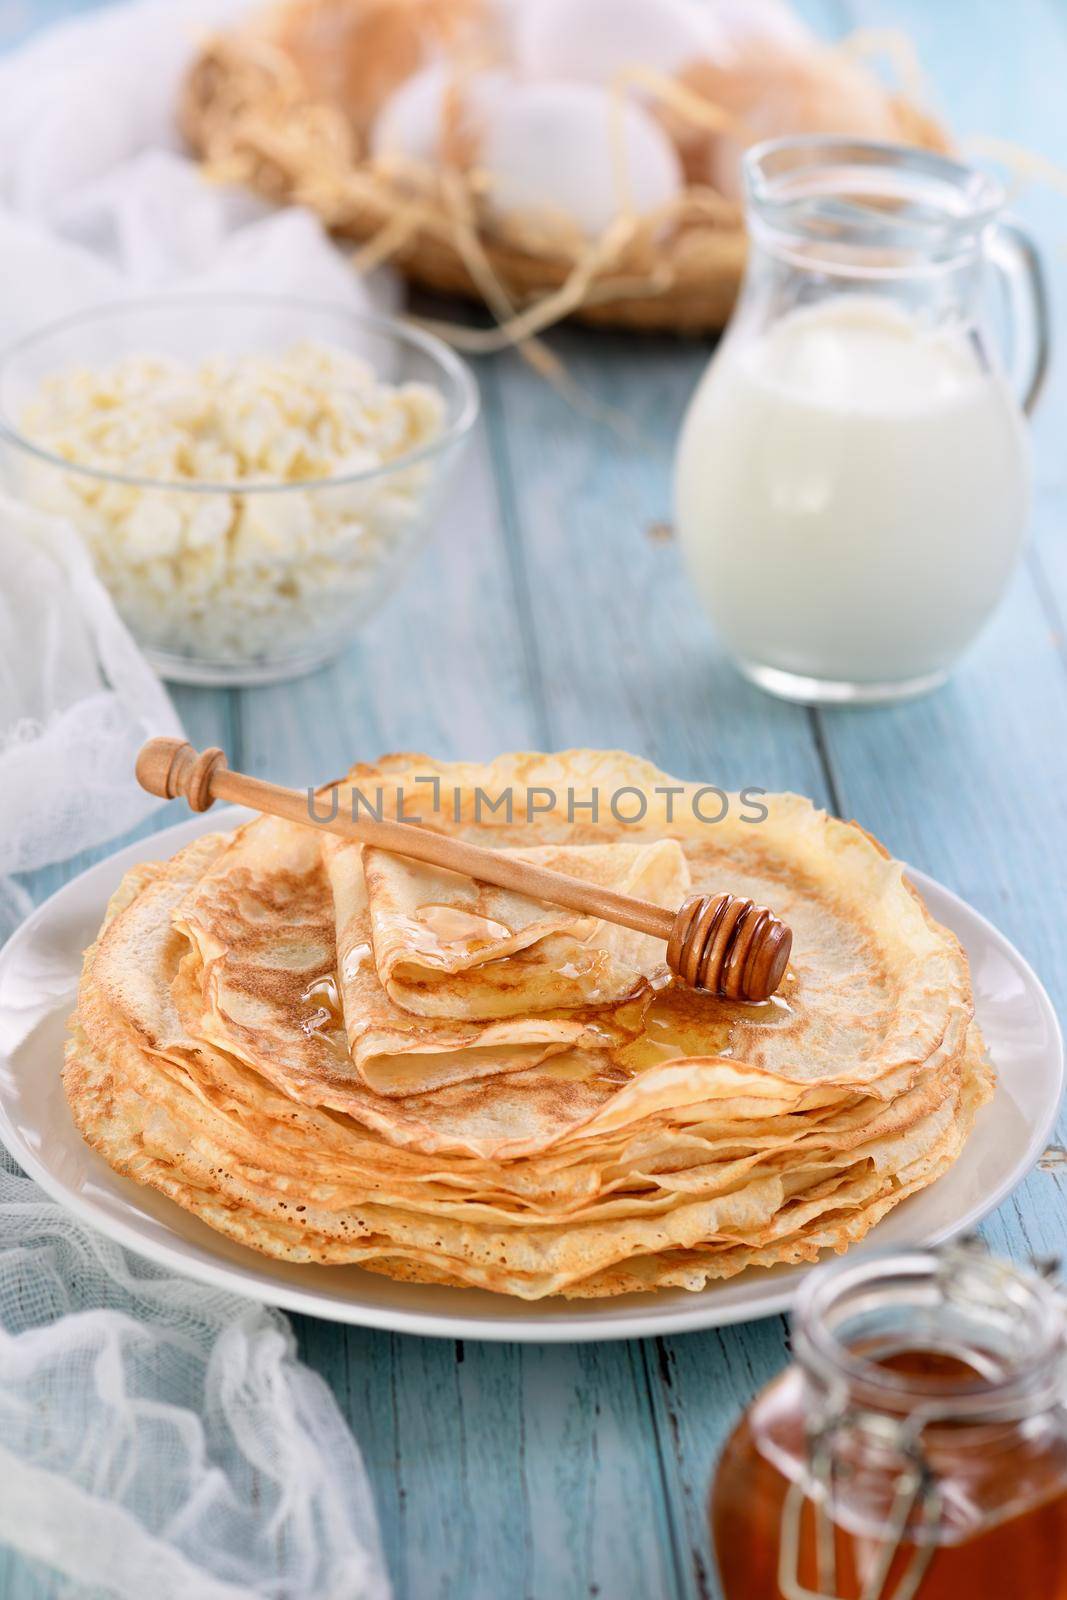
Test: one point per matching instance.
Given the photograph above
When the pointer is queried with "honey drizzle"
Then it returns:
(327, 1016)
(681, 1024)
(356, 958)
(433, 928)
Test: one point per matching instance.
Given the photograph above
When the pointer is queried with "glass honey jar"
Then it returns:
(917, 1447)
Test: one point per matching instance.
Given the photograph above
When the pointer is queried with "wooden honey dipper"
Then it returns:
(720, 943)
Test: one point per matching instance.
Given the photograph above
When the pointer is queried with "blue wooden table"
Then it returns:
(550, 611)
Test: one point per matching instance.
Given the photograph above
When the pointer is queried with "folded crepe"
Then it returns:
(502, 981)
(439, 940)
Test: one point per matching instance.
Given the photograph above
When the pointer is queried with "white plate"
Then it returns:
(38, 973)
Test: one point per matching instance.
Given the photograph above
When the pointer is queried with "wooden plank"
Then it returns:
(950, 783)
(504, 1470)
(970, 784)
(494, 1467)
(624, 657)
(622, 652)
(439, 669)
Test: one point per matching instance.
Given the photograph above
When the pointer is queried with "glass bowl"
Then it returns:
(242, 540)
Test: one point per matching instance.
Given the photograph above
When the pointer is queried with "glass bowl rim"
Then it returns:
(456, 369)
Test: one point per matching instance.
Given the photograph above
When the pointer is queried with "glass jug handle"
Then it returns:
(1014, 256)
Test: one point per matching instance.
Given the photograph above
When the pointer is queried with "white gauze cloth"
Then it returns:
(77, 700)
(157, 1438)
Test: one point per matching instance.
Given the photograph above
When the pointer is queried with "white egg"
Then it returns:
(415, 120)
(595, 40)
(774, 92)
(503, 19)
(558, 149)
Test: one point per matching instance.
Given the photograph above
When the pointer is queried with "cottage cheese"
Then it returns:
(208, 556)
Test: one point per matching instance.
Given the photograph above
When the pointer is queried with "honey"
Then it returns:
(323, 1000)
(684, 1022)
(325, 991)
(581, 1066)
(456, 929)
(924, 1460)
(360, 955)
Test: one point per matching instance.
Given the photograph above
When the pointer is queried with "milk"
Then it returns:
(851, 494)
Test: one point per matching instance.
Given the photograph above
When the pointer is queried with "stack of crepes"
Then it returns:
(333, 1054)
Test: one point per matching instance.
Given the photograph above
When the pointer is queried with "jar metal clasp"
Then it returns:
(916, 1504)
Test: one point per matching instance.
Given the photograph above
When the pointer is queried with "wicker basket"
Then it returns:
(248, 113)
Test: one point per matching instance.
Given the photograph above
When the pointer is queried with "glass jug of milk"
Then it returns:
(853, 477)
